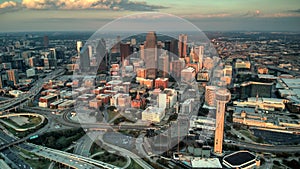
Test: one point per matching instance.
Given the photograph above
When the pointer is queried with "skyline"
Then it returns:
(80, 15)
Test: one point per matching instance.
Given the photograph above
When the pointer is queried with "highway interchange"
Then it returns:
(79, 161)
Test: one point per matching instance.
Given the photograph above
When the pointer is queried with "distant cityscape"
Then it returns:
(149, 100)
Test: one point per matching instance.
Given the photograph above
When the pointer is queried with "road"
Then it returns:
(85, 143)
(68, 159)
(241, 135)
(11, 153)
(32, 92)
(135, 157)
(267, 148)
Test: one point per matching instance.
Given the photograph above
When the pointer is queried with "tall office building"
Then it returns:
(163, 64)
(142, 51)
(176, 67)
(125, 51)
(78, 47)
(46, 41)
(151, 55)
(199, 53)
(1, 82)
(101, 55)
(90, 51)
(18, 63)
(52, 53)
(210, 95)
(222, 97)
(13, 76)
(84, 60)
(167, 45)
(174, 47)
(182, 46)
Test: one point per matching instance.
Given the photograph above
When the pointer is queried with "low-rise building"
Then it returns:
(241, 159)
(66, 104)
(263, 103)
(16, 93)
(95, 103)
(45, 101)
(153, 114)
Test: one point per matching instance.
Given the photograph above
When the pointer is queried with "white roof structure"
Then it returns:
(206, 163)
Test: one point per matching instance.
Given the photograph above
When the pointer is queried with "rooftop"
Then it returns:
(154, 110)
(239, 158)
(206, 163)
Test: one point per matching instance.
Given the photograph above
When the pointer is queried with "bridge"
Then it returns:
(31, 93)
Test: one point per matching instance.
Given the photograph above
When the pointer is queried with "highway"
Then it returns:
(135, 157)
(64, 120)
(85, 143)
(11, 153)
(68, 159)
(31, 93)
(267, 148)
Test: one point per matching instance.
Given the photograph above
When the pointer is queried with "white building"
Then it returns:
(167, 98)
(120, 100)
(187, 106)
(153, 114)
(15, 93)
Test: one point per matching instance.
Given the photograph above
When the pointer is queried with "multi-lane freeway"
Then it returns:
(68, 159)
(37, 87)
(267, 148)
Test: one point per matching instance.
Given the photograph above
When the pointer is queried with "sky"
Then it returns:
(208, 15)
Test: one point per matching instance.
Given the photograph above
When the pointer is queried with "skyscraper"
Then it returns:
(13, 76)
(125, 51)
(78, 47)
(84, 60)
(1, 82)
(222, 97)
(210, 95)
(182, 46)
(151, 55)
(101, 55)
(90, 51)
(199, 51)
(174, 47)
(142, 51)
(175, 68)
(163, 64)
(46, 41)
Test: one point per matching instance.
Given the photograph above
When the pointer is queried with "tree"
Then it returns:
(260, 139)
(276, 162)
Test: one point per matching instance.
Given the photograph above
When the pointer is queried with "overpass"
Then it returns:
(22, 114)
(68, 159)
(267, 148)
(32, 92)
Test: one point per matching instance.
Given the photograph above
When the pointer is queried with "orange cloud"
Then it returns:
(8, 4)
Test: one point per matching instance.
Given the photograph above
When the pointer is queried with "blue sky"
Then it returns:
(208, 15)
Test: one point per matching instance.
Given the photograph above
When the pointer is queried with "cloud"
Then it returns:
(280, 15)
(295, 11)
(9, 6)
(212, 15)
(90, 4)
(256, 13)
